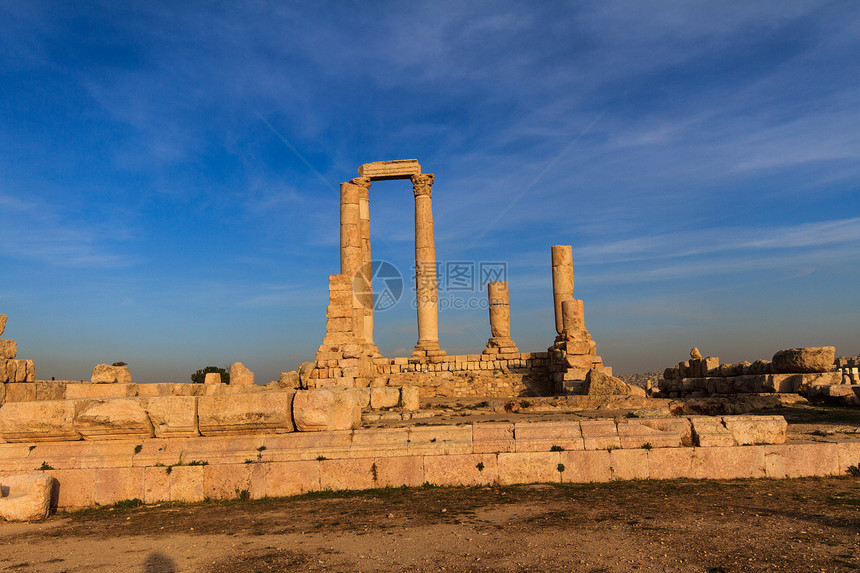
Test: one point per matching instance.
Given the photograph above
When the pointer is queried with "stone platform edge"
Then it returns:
(98, 473)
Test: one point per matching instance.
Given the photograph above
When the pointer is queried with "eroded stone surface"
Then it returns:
(107, 374)
(48, 421)
(240, 376)
(756, 429)
(265, 412)
(326, 409)
(25, 497)
(8, 349)
(173, 416)
(802, 360)
(120, 419)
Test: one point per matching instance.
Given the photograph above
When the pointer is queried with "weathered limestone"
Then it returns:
(791, 371)
(3, 319)
(409, 398)
(425, 269)
(48, 421)
(173, 416)
(113, 420)
(364, 277)
(599, 384)
(500, 341)
(269, 412)
(8, 349)
(25, 497)
(804, 360)
(841, 395)
(394, 169)
(326, 409)
(756, 429)
(289, 380)
(212, 378)
(562, 280)
(240, 376)
(710, 432)
(107, 374)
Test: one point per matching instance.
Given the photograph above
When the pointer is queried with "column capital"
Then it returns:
(363, 182)
(422, 184)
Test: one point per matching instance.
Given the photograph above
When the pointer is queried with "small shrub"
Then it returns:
(480, 466)
(630, 415)
(250, 461)
(647, 446)
(556, 449)
(45, 466)
(138, 448)
(119, 364)
(321, 458)
(243, 495)
(854, 470)
(168, 470)
(261, 449)
(525, 404)
(560, 467)
(128, 503)
(374, 471)
(32, 448)
(197, 463)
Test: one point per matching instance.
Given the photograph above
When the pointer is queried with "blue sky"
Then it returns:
(169, 173)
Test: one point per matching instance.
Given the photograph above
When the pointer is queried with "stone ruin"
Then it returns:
(109, 439)
(349, 358)
(811, 371)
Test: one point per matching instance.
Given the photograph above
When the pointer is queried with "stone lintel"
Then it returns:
(395, 169)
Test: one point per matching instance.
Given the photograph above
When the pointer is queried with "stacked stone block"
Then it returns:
(12, 369)
(574, 352)
(790, 371)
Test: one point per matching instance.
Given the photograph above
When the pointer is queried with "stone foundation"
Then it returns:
(270, 465)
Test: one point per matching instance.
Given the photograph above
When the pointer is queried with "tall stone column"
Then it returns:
(562, 280)
(500, 319)
(364, 290)
(425, 269)
(351, 255)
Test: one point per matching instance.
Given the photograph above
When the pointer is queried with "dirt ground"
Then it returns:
(679, 525)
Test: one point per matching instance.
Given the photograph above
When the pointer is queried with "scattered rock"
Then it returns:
(109, 374)
(8, 349)
(240, 376)
(695, 354)
(599, 384)
(25, 497)
(802, 360)
(305, 370)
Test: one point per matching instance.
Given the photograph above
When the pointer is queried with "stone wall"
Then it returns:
(793, 370)
(272, 465)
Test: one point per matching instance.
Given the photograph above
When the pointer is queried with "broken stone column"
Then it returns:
(425, 269)
(562, 280)
(572, 316)
(500, 319)
(351, 255)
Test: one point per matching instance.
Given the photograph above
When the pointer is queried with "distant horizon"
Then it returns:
(169, 174)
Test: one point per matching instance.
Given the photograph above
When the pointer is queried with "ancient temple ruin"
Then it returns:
(349, 358)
